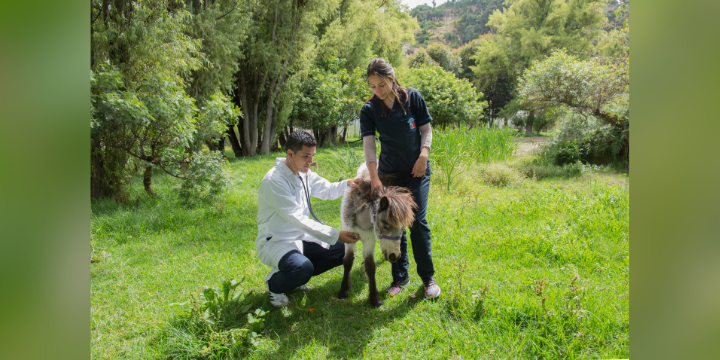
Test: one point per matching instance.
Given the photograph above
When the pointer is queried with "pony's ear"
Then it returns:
(384, 203)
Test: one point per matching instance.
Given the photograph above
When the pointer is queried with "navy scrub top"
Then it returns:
(399, 134)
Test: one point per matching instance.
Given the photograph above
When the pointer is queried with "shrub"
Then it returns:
(497, 174)
(449, 99)
(588, 141)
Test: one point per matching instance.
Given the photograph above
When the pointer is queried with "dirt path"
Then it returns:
(529, 145)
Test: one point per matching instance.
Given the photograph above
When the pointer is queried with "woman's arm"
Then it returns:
(425, 143)
(371, 162)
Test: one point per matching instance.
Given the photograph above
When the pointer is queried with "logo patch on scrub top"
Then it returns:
(412, 124)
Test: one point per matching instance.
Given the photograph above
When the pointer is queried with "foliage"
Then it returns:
(454, 147)
(538, 169)
(490, 144)
(442, 55)
(346, 161)
(449, 152)
(588, 141)
(496, 174)
(143, 57)
(157, 124)
(205, 178)
(330, 97)
(449, 99)
(360, 30)
(419, 59)
(467, 60)
(585, 86)
(220, 326)
(528, 30)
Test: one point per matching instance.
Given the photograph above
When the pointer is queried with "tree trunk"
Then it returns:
(332, 134)
(147, 180)
(344, 135)
(232, 137)
(529, 123)
(221, 145)
(267, 130)
(282, 138)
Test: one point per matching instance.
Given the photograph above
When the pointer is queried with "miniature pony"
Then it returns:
(374, 217)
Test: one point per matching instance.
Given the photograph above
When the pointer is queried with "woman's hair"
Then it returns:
(381, 68)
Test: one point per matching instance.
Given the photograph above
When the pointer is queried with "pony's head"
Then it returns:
(395, 212)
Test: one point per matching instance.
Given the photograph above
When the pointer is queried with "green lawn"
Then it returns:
(536, 270)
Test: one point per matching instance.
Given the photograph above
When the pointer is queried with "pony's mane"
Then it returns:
(400, 211)
(401, 204)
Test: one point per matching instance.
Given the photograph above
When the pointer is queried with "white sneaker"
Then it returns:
(303, 287)
(278, 300)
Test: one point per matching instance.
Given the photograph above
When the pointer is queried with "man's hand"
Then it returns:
(354, 182)
(348, 237)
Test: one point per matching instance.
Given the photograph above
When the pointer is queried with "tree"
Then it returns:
(587, 87)
(278, 46)
(361, 30)
(221, 26)
(450, 100)
(530, 30)
(141, 115)
(442, 55)
(329, 98)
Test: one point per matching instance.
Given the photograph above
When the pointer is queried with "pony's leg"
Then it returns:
(369, 255)
(347, 263)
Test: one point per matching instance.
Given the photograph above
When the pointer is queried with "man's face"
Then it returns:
(302, 159)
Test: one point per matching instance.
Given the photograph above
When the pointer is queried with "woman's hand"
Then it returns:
(421, 164)
(376, 185)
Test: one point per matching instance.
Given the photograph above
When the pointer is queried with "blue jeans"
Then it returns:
(297, 268)
(419, 231)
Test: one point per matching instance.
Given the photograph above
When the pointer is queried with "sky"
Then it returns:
(414, 3)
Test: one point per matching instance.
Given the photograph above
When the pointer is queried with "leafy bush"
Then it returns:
(588, 141)
(221, 326)
(449, 99)
(538, 171)
(497, 174)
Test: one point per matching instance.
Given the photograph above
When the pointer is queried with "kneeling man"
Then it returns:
(295, 246)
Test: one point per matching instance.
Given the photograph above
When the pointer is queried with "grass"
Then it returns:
(538, 270)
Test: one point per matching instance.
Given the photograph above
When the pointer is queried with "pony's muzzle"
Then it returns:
(393, 258)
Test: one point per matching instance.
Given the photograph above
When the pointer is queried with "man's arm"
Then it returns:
(281, 199)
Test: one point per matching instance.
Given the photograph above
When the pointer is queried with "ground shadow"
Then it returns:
(346, 327)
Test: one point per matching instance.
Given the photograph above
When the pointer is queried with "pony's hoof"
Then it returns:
(342, 295)
(376, 303)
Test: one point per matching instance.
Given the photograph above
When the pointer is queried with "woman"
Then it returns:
(401, 118)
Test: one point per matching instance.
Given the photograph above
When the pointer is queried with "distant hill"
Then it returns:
(455, 22)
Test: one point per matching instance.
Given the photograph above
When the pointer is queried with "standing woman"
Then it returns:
(401, 118)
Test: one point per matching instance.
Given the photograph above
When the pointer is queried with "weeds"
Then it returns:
(220, 326)
(496, 174)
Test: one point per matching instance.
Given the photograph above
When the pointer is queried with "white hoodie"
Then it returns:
(283, 222)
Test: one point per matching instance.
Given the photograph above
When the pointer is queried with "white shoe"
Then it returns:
(278, 300)
(303, 288)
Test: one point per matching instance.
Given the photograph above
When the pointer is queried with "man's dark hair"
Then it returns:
(298, 139)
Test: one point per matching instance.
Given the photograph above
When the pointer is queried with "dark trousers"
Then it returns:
(297, 268)
(419, 231)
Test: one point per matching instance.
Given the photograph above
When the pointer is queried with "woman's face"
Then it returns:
(381, 87)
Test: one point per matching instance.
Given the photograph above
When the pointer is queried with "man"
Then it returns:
(295, 246)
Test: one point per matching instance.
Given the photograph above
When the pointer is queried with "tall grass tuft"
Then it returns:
(453, 147)
(450, 149)
(491, 144)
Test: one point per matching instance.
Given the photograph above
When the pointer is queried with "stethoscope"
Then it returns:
(307, 193)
